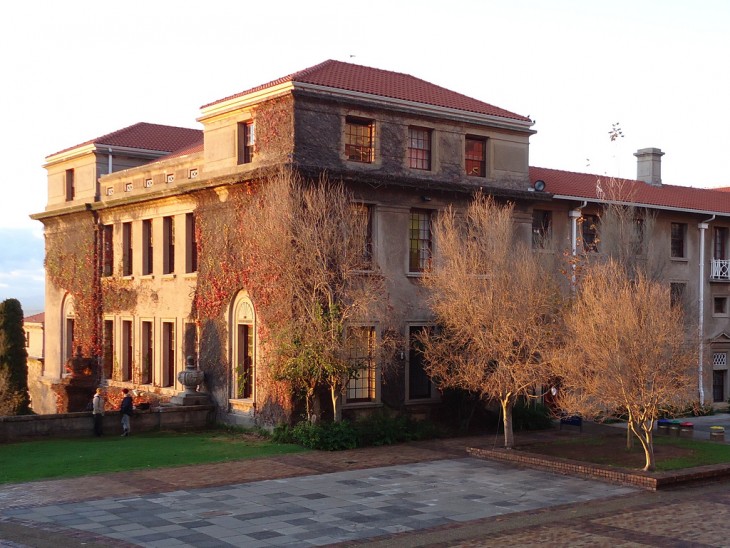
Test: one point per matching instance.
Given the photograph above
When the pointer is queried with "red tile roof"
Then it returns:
(384, 83)
(35, 318)
(586, 186)
(147, 137)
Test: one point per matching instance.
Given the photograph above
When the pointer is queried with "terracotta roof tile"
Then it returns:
(588, 186)
(147, 137)
(35, 318)
(384, 83)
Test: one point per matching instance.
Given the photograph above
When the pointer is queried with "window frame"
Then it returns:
(370, 367)
(589, 227)
(419, 157)
(127, 249)
(360, 139)
(678, 240)
(475, 165)
(725, 310)
(148, 248)
(541, 230)
(420, 249)
(168, 244)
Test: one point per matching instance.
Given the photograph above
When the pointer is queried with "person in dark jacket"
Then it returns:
(127, 408)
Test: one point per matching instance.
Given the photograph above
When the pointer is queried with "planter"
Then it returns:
(717, 433)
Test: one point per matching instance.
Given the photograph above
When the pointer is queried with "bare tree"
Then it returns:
(495, 302)
(309, 241)
(626, 350)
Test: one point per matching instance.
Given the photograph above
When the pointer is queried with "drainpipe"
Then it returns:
(574, 215)
(701, 324)
(110, 162)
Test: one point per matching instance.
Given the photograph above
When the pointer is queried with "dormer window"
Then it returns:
(360, 140)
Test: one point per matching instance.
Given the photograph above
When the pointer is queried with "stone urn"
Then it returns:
(190, 378)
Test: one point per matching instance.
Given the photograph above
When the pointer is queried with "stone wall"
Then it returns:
(69, 425)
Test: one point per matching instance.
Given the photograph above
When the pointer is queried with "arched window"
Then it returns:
(243, 348)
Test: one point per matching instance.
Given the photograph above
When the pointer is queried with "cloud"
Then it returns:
(22, 275)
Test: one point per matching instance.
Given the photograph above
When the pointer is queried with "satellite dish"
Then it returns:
(540, 185)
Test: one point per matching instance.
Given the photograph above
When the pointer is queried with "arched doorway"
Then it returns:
(68, 324)
(243, 348)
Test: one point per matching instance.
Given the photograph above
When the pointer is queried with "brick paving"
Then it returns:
(518, 507)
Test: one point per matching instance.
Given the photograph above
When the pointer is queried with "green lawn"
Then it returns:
(702, 453)
(34, 460)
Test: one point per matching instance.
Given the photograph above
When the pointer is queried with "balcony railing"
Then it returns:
(720, 269)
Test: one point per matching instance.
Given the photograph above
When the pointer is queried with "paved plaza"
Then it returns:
(414, 494)
(321, 509)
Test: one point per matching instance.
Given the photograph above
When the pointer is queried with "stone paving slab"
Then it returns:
(321, 509)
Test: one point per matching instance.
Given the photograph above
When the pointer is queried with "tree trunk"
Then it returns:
(336, 410)
(509, 437)
(647, 444)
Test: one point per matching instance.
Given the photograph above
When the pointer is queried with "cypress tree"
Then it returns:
(13, 356)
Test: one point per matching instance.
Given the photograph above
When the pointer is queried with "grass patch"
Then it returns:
(610, 450)
(702, 453)
(27, 461)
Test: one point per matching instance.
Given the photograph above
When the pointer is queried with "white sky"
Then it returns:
(77, 69)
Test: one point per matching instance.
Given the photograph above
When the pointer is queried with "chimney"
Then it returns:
(649, 165)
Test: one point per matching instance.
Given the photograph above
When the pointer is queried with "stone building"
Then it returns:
(125, 211)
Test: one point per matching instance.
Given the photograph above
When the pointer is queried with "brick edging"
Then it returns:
(620, 476)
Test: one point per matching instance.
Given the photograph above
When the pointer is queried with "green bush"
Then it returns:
(530, 416)
(327, 436)
(375, 430)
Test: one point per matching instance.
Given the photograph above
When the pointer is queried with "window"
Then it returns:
(191, 342)
(419, 257)
(361, 349)
(127, 350)
(168, 354)
(678, 235)
(108, 349)
(676, 293)
(419, 383)
(26, 334)
(475, 156)
(541, 226)
(127, 249)
(590, 233)
(107, 250)
(191, 244)
(719, 306)
(360, 140)
(364, 214)
(69, 184)
(147, 353)
(168, 245)
(419, 148)
(147, 250)
(246, 142)
(719, 243)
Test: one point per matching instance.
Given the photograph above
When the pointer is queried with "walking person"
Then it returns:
(97, 411)
(127, 408)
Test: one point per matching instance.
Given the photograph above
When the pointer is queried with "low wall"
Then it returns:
(69, 425)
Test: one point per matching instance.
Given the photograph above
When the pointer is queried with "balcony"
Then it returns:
(720, 270)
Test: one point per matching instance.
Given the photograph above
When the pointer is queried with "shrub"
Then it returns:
(328, 436)
(384, 429)
(530, 416)
(375, 430)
